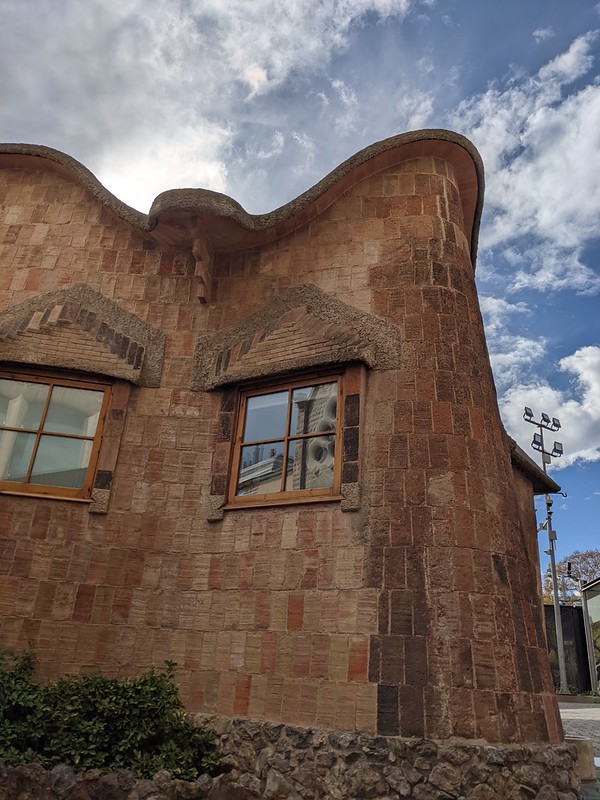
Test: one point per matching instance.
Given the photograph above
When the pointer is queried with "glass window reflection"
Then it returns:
(314, 409)
(286, 442)
(22, 404)
(48, 429)
(16, 450)
(261, 467)
(61, 461)
(311, 463)
(74, 411)
(266, 416)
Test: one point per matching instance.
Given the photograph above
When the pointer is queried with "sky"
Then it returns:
(260, 99)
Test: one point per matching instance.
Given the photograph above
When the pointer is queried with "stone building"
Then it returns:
(268, 448)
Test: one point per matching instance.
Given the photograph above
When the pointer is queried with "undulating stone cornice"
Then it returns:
(230, 227)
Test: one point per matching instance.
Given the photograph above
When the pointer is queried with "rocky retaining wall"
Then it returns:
(277, 762)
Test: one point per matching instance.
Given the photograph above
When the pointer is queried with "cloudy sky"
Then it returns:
(260, 99)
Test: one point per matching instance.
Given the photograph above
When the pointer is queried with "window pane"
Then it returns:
(21, 403)
(310, 463)
(60, 461)
(15, 454)
(73, 411)
(266, 415)
(314, 408)
(260, 469)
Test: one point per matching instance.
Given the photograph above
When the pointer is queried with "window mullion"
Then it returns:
(46, 406)
(39, 432)
(286, 441)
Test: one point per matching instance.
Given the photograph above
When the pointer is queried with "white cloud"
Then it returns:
(511, 355)
(308, 147)
(414, 108)
(578, 408)
(138, 172)
(538, 145)
(425, 65)
(256, 77)
(347, 120)
(541, 34)
(276, 146)
(550, 267)
(118, 84)
(496, 310)
(571, 64)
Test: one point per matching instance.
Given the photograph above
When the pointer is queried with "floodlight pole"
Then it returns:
(547, 459)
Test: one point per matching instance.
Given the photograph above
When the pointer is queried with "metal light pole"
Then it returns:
(538, 444)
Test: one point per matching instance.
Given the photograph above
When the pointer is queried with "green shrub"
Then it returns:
(89, 722)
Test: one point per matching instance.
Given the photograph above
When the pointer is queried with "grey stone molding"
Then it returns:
(230, 356)
(139, 347)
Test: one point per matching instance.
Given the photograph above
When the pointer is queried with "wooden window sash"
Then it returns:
(283, 497)
(50, 380)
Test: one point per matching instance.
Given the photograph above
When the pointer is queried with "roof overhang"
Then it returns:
(592, 585)
(541, 483)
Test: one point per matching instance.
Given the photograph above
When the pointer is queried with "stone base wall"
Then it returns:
(285, 762)
(281, 762)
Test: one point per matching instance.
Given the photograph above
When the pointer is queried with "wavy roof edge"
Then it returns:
(244, 229)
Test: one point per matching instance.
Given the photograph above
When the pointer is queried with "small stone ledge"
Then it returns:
(283, 762)
(351, 497)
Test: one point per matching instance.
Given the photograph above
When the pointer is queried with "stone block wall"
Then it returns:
(415, 613)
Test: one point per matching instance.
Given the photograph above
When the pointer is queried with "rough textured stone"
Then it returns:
(277, 762)
(112, 325)
(379, 620)
(32, 782)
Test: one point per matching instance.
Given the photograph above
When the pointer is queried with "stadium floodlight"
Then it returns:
(555, 423)
(557, 450)
(528, 414)
(537, 442)
(545, 419)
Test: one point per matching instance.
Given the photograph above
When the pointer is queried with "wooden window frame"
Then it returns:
(51, 379)
(325, 494)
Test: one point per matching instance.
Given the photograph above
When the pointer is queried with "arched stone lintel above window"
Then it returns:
(303, 328)
(78, 328)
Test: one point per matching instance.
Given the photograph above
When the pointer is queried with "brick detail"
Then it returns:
(300, 329)
(290, 339)
(63, 344)
(77, 328)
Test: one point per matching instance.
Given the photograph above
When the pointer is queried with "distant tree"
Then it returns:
(583, 565)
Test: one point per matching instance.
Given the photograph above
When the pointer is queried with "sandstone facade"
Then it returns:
(407, 605)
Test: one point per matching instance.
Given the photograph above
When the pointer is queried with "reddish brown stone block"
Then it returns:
(274, 611)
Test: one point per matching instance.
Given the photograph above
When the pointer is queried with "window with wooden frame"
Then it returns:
(288, 442)
(50, 433)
